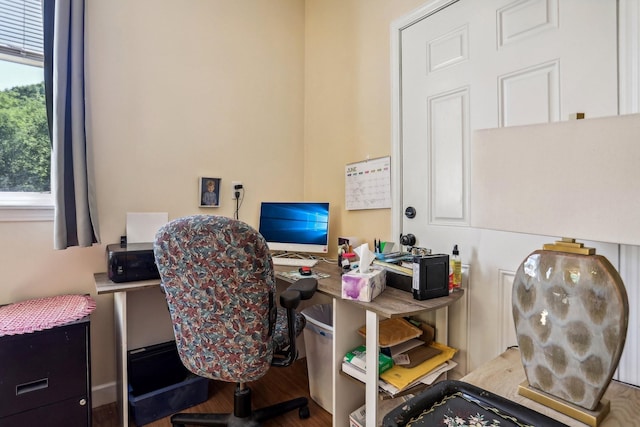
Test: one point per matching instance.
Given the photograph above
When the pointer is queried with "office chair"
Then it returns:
(219, 283)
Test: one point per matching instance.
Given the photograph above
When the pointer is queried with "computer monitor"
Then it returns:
(295, 226)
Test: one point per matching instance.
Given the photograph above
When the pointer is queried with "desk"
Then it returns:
(119, 291)
(503, 374)
(347, 394)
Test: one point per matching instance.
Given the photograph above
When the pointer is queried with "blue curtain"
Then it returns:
(72, 184)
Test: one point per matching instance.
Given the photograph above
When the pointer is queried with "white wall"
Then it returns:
(176, 90)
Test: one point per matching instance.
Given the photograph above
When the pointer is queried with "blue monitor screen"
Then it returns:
(295, 226)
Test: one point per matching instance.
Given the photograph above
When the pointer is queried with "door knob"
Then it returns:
(410, 212)
(408, 239)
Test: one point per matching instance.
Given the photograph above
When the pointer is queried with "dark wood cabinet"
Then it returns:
(45, 377)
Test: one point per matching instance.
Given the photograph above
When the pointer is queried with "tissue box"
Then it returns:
(363, 286)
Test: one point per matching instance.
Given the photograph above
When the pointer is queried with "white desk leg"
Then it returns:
(442, 329)
(120, 319)
(442, 325)
(347, 393)
(371, 395)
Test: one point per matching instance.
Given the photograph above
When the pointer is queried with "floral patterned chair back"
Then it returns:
(218, 278)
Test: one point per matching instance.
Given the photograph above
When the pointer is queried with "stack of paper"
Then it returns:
(414, 360)
(359, 416)
(395, 267)
(400, 378)
(394, 331)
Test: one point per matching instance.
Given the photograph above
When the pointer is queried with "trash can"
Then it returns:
(318, 341)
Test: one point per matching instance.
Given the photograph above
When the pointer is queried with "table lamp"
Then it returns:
(570, 305)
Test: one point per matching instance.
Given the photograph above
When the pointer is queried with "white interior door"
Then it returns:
(468, 65)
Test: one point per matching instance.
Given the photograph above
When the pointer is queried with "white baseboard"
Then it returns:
(103, 394)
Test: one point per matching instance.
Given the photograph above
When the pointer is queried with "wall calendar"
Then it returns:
(368, 184)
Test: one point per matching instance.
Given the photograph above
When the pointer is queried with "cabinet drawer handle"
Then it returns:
(32, 386)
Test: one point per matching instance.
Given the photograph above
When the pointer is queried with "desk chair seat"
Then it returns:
(219, 283)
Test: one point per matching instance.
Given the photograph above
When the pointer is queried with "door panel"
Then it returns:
(447, 50)
(471, 65)
(447, 121)
(518, 20)
(539, 85)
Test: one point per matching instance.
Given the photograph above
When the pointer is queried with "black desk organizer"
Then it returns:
(450, 399)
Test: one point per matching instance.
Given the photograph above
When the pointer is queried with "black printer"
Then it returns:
(131, 262)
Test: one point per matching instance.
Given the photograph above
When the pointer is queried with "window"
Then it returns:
(25, 148)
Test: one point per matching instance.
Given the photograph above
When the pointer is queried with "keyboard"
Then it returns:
(295, 262)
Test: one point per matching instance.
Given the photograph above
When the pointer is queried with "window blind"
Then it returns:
(21, 29)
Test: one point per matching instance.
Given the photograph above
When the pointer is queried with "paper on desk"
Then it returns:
(143, 226)
(365, 256)
(386, 247)
(428, 379)
(401, 377)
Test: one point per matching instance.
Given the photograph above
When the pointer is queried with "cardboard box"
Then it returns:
(363, 286)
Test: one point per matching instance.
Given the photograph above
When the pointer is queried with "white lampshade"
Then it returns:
(578, 179)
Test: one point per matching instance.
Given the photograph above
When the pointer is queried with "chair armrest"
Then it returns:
(307, 287)
(302, 289)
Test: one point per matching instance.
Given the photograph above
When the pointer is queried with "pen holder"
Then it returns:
(345, 260)
(381, 247)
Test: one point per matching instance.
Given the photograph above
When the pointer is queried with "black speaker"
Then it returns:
(430, 276)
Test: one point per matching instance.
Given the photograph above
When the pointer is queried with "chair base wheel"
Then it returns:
(304, 413)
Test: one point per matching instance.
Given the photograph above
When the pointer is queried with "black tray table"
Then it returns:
(453, 403)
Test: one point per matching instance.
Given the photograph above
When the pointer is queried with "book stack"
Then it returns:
(354, 363)
(396, 267)
(409, 359)
(399, 273)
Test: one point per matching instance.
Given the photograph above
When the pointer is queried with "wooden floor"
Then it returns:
(277, 385)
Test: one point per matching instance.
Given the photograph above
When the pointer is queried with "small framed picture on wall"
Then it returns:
(209, 192)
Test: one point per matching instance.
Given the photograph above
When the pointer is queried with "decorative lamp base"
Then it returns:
(590, 418)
